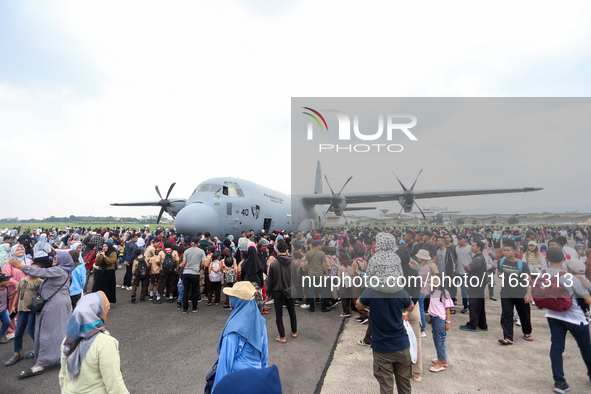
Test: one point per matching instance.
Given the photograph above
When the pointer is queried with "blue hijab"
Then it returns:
(246, 321)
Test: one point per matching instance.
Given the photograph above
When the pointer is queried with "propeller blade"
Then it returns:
(403, 188)
(328, 184)
(170, 189)
(399, 212)
(160, 215)
(413, 185)
(345, 185)
(327, 211)
(424, 217)
(158, 191)
(346, 222)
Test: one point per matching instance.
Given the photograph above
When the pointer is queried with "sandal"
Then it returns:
(433, 369)
(265, 312)
(279, 339)
(505, 342)
(452, 311)
(528, 337)
(294, 335)
(434, 361)
(28, 373)
(30, 354)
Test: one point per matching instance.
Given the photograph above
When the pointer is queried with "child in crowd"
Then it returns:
(215, 279)
(439, 309)
(25, 291)
(344, 291)
(4, 314)
(141, 271)
(230, 277)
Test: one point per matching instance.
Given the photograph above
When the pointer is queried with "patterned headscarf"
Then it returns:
(384, 264)
(81, 330)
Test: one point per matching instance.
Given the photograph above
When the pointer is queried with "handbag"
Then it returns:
(37, 303)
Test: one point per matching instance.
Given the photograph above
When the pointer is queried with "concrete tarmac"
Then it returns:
(165, 351)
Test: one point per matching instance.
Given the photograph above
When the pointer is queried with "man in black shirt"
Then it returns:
(476, 271)
(515, 293)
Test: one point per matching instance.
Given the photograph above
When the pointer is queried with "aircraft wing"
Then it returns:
(146, 203)
(356, 198)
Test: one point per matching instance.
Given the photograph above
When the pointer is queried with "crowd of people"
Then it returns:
(73, 272)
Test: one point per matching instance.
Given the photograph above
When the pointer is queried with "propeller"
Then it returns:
(409, 195)
(336, 200)
(164, 202)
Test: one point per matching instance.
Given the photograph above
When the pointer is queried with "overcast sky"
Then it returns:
(100, 101)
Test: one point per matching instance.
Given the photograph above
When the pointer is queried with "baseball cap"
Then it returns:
(4, 277)
(577, 266)
(554, 255)
(263, 242)
(528, 233)
(534, 243)
(317, 243)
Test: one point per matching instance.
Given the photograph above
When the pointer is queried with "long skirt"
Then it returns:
(105, 282)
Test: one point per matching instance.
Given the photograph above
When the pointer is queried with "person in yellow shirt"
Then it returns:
(90, 355)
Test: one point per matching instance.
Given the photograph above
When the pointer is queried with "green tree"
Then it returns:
(460, 221)
(439, 218)
(474, 221)
(494, 222)
(513, 220)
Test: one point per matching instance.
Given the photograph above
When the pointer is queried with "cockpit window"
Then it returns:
(234, 189)
(231, 189)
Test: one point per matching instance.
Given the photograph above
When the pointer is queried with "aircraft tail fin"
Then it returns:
(318, 184)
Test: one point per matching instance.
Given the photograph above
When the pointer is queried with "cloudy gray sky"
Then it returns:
(100, 101)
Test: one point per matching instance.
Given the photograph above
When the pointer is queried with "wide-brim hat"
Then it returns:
(243, 290)
(423, 254)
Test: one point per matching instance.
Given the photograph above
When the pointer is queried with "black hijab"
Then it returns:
(252, 265)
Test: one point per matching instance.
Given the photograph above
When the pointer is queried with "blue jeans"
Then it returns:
(439, 335)
(26, 321)
(181, 287)
(558, 330)
(314, 289)
(465, 300)
(422, 307)
(5, 319)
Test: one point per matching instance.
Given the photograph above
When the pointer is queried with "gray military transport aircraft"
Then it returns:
(230, 205)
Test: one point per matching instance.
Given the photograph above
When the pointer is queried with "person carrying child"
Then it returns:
(440, 306)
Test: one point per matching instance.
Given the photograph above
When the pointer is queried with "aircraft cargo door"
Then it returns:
(267, 225)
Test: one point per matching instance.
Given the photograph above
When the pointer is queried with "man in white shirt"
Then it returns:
(572, 320)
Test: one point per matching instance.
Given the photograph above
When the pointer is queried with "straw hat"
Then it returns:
(243, 290)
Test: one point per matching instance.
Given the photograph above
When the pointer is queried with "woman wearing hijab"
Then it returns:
(4, 248)
(42, 250)
(16, 252)
(243, 343)
(78, 274)
(105, 280)
(90, 355)
(50, 324)
(252, 267)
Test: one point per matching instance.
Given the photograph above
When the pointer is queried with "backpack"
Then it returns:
(552, 296)
(169, 264)
(519, 264)
(215, 276)
(231, 276)
(143, 271)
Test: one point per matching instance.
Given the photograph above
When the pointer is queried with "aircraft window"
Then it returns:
(234, 192)
(229, 208)
(225, 190)
(203, 188)
(216, 188)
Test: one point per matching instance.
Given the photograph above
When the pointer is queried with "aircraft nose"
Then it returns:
(196, 218)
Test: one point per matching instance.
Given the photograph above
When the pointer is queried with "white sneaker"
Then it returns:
(270, 302)
(117, 285)
(423, 334)
(518, 322)
(305, 306)
(10, 335)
